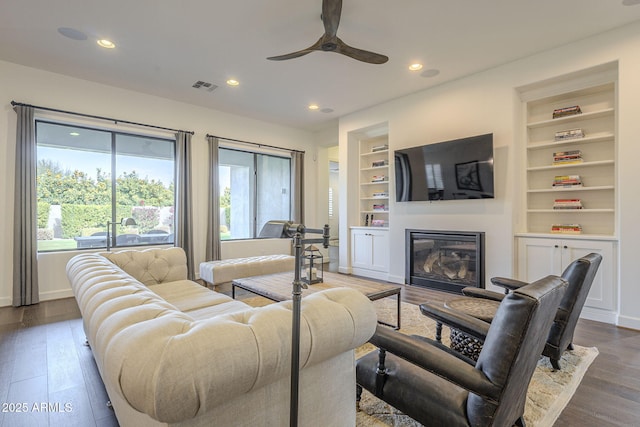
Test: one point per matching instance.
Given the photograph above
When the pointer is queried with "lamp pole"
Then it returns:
(295, 334)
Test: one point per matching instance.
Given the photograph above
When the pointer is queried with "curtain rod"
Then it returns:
(254, 143)
(116, 121)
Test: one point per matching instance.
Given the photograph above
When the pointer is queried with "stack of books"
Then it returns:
(379, 163)
(379, 148)
(567, 204)
(380, 195)
(380, 207)
(566, 228)
(567, 181)
(567, 157)
(569, 134)
(566, 111)
(379, 178)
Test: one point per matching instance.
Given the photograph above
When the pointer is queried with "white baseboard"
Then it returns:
(396, 279)
(380, 275)
(598, 315)
(629, 322)
(5, 302)
(48, 296)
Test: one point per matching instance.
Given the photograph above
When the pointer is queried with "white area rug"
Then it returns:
(548, 394)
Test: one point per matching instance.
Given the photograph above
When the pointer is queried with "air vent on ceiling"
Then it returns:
(209, 87)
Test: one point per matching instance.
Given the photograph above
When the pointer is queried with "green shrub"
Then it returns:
(43, 214)
(76, 218)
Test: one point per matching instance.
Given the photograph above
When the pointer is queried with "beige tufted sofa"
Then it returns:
(172, 352)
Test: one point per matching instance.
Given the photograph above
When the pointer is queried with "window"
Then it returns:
(254, 188)
(77, 196)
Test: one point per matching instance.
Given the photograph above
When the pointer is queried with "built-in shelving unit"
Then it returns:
(374, 181)
(595, 165)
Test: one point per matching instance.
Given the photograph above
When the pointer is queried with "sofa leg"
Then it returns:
(109, 405)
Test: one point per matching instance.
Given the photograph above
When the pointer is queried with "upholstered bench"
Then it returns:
(218, 272)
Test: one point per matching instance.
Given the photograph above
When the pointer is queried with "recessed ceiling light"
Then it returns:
(232, 82)
(74, 134)
(107, 44)
(415, 67)
(313, 107)
(431, 72)
(72, 33)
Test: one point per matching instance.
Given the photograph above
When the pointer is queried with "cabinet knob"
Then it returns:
(556, 246)
(566, 247)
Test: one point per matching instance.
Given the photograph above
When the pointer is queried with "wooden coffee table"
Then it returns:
(278, 287)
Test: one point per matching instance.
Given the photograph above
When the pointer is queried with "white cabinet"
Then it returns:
(374, 181)
(541, 256)
(370, 252)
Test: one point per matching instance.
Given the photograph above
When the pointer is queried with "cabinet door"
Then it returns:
(538, 258)
(361, 249)
(603, 292)
(380, 251)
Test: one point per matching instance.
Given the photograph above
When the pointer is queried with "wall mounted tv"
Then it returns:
(450, 170)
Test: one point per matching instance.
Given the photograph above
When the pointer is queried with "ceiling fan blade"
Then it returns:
(314, 47)
(360, 54)
(331, 11)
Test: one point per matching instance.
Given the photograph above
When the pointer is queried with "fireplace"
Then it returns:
(444, 260)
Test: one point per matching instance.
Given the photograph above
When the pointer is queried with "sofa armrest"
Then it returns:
(174, 369)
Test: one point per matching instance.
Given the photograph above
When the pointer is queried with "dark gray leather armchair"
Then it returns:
(579, 274)
(438, 387)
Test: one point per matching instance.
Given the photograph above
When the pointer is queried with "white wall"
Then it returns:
(32, 86)
(488, 102)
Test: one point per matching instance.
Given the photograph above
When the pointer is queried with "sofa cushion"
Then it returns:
(226, 270)
(151, 266)
(189, 297)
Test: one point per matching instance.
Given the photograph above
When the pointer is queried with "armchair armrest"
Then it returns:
(471, 291)
(507, 283)
(468, 324)
(426, 354)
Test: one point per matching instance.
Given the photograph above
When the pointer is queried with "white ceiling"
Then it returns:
(164, 46)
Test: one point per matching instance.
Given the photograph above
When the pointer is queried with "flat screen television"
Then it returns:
(450, 170)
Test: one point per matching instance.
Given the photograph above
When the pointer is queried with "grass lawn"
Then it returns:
(56, 245)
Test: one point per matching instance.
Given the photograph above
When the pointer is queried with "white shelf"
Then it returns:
(573, 165)
(367, 172)
(572, 119)
(555, 190)
(598, 122)
(572, 141)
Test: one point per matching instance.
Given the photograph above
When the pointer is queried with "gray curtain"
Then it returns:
(213, 223)
(184, 196)
(297, 187)
(25, 224)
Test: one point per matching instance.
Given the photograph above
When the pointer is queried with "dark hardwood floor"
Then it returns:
(48, 376)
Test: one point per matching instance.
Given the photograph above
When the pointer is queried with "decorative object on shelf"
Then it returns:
(125, 222)
(379, 163)
(569, 134)
(560, 204)
(380, 207)
(567, 181)
(381, 195)
(377, 148)
(566, 228)
(313, 267)
(567, 157)
(377, 222)
(366, 221)
(566, 111)
(379, 178)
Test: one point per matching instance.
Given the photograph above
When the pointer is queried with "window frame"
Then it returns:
(113, 165)
(255, 195)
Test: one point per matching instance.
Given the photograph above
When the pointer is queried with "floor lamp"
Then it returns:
(125, 222)
(287, 229)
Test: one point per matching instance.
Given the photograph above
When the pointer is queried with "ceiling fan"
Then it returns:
(329, 42)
